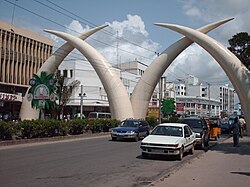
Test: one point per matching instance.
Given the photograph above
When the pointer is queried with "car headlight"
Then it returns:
(113, 131)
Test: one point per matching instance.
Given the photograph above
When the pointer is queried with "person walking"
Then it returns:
(236, 131)
(242, 126)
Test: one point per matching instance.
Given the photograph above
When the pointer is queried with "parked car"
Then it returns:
(201, 129)
(169, 139)
(101, 115)
(131, 129)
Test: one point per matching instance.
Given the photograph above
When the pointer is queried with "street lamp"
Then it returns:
(81, 95)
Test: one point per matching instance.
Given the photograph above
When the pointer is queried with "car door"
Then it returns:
(188, 137)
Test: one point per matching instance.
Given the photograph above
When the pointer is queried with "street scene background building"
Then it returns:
(23, 53)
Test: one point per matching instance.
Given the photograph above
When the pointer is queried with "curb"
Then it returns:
(50, 139)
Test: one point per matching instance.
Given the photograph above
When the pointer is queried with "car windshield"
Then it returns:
(193, 123)
(129, 124)
(167, 131)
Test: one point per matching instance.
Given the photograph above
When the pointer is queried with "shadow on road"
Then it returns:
(227, 147)
(241, 173)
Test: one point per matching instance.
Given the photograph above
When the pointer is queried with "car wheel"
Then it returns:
(191, 151)
(180, 156)
(144, 155)
(114, 138)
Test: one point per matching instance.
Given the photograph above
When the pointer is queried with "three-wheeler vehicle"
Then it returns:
(215, 129)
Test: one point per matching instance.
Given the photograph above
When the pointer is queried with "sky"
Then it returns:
(131, 33)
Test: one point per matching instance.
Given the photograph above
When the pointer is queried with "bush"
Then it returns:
(102, 125)
(51, 127)
(77, 126)
(6, 130)
(152, 121)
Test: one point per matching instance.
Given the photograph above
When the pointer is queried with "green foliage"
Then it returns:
(28, 129)
(78, 126)
(102, 125)
(168, 106)
(64, 92)
(6, 130)
(152, 121)
(240, 46)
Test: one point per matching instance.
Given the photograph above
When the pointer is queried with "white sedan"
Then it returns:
(169, 139)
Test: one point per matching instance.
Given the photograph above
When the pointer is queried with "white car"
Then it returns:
(169, 139)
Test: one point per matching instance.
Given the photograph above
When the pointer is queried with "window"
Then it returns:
(65, 73)
(71, 73)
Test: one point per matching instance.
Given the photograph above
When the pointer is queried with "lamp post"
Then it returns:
(81, 95)
(209, 101)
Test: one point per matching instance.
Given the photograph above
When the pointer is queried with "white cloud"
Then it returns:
(133, 40)
(196, 60)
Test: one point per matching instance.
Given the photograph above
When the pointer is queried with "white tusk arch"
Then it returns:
(50, 66)
(145, 87)
(238, 74)
(119, 102)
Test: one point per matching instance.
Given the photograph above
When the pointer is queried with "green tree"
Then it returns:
(168, 106)
(64, 92)
(240, 46)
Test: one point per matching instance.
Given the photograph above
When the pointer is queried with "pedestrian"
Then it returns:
(242, 126)
(236, 131)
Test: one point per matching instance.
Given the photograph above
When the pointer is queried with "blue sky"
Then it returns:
(133, 19)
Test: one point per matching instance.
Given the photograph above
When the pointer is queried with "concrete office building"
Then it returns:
(22, 54)
(95, 98)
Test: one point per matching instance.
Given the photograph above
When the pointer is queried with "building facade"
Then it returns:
(95, 97)
(22, 54)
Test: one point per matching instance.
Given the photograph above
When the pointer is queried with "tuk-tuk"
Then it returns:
(215, 130)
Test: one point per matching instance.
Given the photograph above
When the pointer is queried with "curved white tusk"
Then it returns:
(119, 101)
(238, 74)
(145, 87)
(50, 66)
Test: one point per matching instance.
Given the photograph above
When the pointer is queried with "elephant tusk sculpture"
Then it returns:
(50, 66)
(238, 74)
(145, 87)
(119, 102)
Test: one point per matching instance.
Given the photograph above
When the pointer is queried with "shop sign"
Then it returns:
(8, 97)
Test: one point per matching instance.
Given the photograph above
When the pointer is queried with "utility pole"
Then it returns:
(81, 100)
(160, 99)
(209, 101)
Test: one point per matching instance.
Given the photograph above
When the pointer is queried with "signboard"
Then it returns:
(10, 97)
(179, 107)
(42, 93)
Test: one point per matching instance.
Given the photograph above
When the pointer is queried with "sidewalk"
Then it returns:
(222, 166)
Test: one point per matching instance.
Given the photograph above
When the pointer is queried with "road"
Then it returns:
(86, 162)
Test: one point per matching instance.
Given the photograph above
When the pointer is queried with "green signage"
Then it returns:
(42, 92)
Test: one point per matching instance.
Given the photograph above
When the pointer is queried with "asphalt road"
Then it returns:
(87, 162)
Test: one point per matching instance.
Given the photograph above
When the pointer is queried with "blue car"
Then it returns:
(130, 129)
